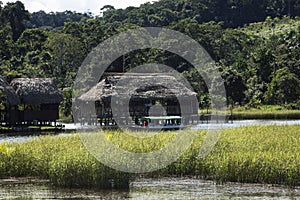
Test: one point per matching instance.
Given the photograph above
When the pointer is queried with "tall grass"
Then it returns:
(255, 155)
(63, 160)
(258, 154)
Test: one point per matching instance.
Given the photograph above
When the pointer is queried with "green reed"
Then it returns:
(258, 154)
(63, 160)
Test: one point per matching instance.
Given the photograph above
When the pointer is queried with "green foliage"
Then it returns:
(284, 88)
(66, 104)
(51, 20)
(232, 13)
(67, 54)
(250, 59)
(15, 14)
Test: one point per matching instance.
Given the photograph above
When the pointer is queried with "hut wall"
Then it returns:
(140, 108)
(138, 111)
(14, 116)
(173, 110)
(30, 115)
(47, 112)
(10, 116)
(47, 107)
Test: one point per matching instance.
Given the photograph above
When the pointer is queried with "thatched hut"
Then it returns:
(39, 98)
(8, 103)
(145, 91)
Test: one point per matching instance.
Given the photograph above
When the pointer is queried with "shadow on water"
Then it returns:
(149, 189)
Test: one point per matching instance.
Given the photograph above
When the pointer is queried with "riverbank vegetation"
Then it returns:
(274, 113)
(266, 112)
(258, 154)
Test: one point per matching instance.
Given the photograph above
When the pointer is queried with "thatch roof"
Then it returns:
(37, 90)
(144, 86)
(10, 95)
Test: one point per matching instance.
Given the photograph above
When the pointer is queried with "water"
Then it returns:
(176, 188)
(244, 123)
(235, 124)
(35, 189)
(22, 138)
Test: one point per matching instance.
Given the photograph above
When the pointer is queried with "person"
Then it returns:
(145, 123)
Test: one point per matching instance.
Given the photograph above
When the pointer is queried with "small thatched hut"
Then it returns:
(145, 90)
(39, 97)
(8, 102)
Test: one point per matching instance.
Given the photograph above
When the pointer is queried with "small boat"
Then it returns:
(159, 123)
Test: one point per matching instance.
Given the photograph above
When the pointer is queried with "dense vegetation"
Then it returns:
(269, 154)
(254, 43)
(62, 160)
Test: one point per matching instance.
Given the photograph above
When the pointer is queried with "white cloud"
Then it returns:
(93, 6)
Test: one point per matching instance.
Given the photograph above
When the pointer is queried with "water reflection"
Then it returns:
(32, 189)
(199, 189)
(150, 189)
(244, 123)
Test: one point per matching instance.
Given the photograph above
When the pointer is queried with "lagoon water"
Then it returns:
(201, 126)
(175, 188)
(244, 123)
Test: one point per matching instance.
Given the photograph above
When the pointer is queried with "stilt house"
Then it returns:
(39, 99)
(145, 91)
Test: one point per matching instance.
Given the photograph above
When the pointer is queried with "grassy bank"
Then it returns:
(266, 112)
(258, 154)
(262, 112)
(259, 114)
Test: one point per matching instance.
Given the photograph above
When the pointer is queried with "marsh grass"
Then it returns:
(63, 160)
(258, 154)
(261, 112)
(266, 112)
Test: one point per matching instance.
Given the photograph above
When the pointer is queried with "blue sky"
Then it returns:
(93, 6)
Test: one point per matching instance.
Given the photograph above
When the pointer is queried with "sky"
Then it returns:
(93, 6)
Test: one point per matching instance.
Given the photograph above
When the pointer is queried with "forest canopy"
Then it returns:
(256, 44)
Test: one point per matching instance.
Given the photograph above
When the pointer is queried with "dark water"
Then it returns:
(151, 189)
